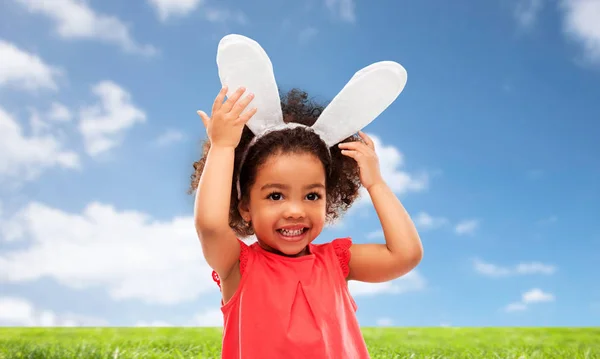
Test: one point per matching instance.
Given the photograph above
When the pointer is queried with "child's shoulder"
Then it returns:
(337, 244)
(339, 249)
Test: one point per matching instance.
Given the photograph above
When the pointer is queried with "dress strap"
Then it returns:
(341, 247)
(244, 253)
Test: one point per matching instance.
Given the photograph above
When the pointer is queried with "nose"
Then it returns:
(294, 209)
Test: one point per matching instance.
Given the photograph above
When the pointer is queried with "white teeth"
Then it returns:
(289, 233)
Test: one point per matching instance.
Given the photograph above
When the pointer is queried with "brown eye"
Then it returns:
(275, 196)
(313, 196)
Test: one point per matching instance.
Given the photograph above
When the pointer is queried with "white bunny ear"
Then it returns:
(368, 93)
(243, 62)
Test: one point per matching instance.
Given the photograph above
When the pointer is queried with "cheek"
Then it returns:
(318, 212)
(262, 213)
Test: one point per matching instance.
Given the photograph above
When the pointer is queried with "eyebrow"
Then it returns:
(283, 186)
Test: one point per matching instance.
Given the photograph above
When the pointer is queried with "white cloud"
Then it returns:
(344, 9)
(166, 9)
(582, 24)
(225, 15)
(536, 295)
(532, 296)
(59, 112)
(74, 19)
(466, 227)
(26, 157)
(410, 282)
(535, 268)
(169, 9)
(169, 136)
(16, 311)
(129, 253)
(527, 11)
(424, 221)
(208, 318)
(385, 322)
(37, 124)
(492, 270)
(390, 162)
(24, 70)
(104, 124)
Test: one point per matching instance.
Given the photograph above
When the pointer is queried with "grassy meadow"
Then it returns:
(388, 343)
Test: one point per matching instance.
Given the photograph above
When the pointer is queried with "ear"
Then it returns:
(368, 93)
(244, 210)
(241, 61)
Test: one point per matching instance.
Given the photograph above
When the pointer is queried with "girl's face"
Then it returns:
(287, 203)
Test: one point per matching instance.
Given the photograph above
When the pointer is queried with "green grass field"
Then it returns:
(389, 343)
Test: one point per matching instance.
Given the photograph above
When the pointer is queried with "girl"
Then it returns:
(284, 296)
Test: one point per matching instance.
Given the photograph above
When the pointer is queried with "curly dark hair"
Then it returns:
(342, 173)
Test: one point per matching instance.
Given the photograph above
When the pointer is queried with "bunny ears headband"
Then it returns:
(243, 62)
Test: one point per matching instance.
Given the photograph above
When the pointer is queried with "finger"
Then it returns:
(219, 99)
(232, 100)
(351, 153)
(367, 139)
(354, 145)
(247, 116)
(241, 105)
(204, 117)
(360, 148)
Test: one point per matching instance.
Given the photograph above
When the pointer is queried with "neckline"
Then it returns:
(309, 256)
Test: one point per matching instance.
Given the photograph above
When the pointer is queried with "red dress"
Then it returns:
(293, 307)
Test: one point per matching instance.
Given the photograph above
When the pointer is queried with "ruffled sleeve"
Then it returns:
(244, 252)
(244, 255)
(341, 247)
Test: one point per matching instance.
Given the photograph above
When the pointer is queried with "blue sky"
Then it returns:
(491, 148)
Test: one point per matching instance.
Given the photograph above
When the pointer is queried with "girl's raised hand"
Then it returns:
(368, 162)
(224, 127)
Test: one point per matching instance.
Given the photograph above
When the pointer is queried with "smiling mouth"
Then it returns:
(292, 232)
(292, 235)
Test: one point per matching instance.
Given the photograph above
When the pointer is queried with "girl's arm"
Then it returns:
(402, 250)
(211, 210)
